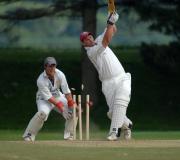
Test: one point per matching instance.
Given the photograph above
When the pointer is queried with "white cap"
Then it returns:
(50, 61)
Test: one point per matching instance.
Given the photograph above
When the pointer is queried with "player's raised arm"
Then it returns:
(111, 29)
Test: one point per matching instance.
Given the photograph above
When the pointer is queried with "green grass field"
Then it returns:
(50, 146)
(15, 135)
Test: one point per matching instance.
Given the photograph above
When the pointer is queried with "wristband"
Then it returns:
(60, 105)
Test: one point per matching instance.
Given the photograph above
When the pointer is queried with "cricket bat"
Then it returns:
(111, 6)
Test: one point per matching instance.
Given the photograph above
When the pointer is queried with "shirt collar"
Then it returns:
(87, 48)
(44, 74)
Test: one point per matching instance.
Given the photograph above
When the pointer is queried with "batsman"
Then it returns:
(116, 83)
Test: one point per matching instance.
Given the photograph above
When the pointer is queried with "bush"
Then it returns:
(163, 58)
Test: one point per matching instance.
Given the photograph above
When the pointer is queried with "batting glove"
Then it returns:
(112, 18)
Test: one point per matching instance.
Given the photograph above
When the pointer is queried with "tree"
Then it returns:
(165, 18)
(87, 9)
(89, 74)
(164, 15)
(70, 8)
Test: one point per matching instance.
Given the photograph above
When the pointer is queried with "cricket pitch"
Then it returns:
(106, 144)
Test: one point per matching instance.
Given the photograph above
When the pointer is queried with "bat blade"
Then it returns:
(111, 6)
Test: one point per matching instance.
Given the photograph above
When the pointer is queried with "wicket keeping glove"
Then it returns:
(60, 106)
(67, 114)
(112, 18)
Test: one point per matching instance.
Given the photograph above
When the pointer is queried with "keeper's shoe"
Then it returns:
(112, 137)
(68, 136)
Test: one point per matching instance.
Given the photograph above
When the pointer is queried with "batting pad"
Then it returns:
(118, 115)
(69, 125)
(35, 124)
(127, 122)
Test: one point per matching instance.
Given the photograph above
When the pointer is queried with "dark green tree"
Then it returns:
(70, 8)
(164, 16)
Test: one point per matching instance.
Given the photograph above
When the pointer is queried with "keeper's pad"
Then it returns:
(35, 124)
(69, 125)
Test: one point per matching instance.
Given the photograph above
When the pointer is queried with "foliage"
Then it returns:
(165, 59)
(149, 90)
(164, 14)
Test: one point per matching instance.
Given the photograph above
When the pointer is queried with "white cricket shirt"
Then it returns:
(105, 61)
(46, 89)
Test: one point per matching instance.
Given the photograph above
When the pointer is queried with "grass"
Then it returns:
(24, 151)
(50, 146)
(16, 135)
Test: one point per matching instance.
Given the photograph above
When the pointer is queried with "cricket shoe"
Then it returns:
(127, 132)
(68, 136)
(29, 138)
(112, 136)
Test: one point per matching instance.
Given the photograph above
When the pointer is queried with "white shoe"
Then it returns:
(112, 137)
(68, 136)
(127, 134)
(29, 138)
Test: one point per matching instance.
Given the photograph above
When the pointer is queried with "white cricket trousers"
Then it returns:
(47, 107)
(117, 91)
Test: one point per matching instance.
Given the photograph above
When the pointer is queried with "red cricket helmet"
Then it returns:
(84, 35)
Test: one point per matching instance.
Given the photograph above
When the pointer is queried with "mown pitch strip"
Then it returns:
(106, 144)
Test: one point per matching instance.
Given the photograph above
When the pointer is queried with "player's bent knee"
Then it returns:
(41, 115)
(124, 103)
(121, 102)
(122, 99)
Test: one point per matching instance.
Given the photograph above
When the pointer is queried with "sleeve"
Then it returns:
(44, 90)
(64, 85)
(98, 48)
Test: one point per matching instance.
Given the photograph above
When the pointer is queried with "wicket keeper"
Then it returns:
(48, 98)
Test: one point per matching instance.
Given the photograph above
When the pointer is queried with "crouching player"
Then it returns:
(50, 98)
